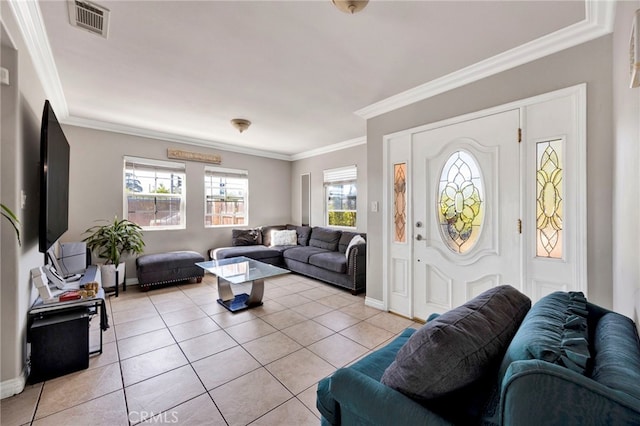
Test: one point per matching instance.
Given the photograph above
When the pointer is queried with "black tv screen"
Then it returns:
(54, 180)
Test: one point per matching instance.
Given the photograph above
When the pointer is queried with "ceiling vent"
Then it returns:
(89, 16)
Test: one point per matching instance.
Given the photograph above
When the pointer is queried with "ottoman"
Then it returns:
(164, 268)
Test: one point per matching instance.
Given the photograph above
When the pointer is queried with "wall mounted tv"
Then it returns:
(54, 180)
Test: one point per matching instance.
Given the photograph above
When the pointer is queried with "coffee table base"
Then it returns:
(240, 302)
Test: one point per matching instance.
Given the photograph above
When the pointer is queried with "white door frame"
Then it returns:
(579, 92)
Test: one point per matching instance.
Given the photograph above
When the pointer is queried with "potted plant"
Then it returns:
(111, 242)
(13, 219)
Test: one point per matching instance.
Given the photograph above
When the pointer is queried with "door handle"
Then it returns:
(419, 237)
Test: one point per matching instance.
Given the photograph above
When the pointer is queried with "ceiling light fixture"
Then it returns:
(241, 124)
(350, 6)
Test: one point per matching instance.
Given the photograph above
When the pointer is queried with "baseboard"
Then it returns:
(374, 303)
(131, 281)
(13, 386)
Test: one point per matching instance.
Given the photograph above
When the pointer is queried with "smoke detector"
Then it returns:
(89, 16)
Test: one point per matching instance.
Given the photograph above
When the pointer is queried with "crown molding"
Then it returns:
(331, 148)
(600, 15)
(31, 25)
(170, 137)
(599, 21)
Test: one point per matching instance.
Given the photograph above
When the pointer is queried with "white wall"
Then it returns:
(590, 63)
(22, 104)
(315, 166)
(95, 191)
(626, 191)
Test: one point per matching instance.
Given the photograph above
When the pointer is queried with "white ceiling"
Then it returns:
(299, 70)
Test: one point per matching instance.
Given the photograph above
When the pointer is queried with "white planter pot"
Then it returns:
(108, 273)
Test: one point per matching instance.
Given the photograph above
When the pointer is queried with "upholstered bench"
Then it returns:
(164, 268)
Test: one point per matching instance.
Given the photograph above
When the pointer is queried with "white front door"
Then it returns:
(466, 204)
(469, 208)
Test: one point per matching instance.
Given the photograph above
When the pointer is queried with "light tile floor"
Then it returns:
(174, 355)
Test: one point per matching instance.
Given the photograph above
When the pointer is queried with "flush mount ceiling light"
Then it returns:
(350, 6)
(241, 124)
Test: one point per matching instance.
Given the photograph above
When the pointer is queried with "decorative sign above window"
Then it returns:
(178, 154)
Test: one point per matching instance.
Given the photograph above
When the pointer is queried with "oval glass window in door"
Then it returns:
(460, 203)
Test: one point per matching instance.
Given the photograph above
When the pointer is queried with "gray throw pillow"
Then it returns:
(245, 237)
(456, 348)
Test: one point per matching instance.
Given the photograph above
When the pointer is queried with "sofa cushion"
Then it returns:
(554, 330)
(325, 238)
(331, 260)
(246, 237)
(373, 365)
(303, 233)
(456, 348)
(302, 253)
(283, 237)
(253, 252)
(617, 354)
(266, 233)
(345, 239)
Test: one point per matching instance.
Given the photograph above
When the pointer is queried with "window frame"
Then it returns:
(342, 176)
(210, 171)
(178, 168)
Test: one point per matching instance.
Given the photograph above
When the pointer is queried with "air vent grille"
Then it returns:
(89, 16)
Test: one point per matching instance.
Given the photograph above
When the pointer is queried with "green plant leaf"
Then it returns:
(13, 219)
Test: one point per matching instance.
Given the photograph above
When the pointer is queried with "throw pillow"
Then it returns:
(284, 238)
(355, 240)
(454, 349)
(245, 237)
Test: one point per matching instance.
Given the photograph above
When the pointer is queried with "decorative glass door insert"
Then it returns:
(460, 206)
(549, 194)
(400, 202)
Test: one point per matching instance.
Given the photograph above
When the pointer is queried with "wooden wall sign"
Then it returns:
(178, 154)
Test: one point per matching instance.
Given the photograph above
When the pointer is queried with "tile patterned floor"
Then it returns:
(173, 355)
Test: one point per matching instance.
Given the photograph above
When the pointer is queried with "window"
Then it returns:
(154, 193)
(340, 196)
(226, 197)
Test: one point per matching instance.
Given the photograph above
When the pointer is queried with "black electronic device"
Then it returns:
(54, 180)
(59, 345)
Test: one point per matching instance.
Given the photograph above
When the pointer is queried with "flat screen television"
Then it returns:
(54, 180)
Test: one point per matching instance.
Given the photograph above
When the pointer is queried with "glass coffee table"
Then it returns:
(240, 270)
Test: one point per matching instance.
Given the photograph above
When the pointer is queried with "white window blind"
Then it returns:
(342, 174)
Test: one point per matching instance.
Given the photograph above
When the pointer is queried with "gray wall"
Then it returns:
(626, 191)
(96, 189)
(590, 63)
(315, 166)
(22, 104)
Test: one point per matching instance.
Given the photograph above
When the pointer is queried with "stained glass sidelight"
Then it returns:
(400, 202)
(549, 194)
(460, 204)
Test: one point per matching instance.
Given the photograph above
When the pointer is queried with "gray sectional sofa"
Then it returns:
(318, 253)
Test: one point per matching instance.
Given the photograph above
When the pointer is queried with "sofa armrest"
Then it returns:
(357, 261)
(365, 401)
(537, 392)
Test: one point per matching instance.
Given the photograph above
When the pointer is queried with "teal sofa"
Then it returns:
(589, 376)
